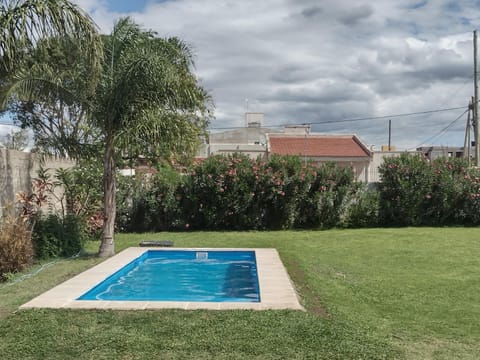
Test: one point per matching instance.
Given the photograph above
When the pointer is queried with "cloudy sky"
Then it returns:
(325, 62)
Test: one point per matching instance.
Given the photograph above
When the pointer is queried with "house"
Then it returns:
(434, 152)
(344, 150)
(255, 140)
(250, 140)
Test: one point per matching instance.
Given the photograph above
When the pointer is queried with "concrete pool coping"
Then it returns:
(276, 289)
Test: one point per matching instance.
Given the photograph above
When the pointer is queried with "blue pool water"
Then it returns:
(183, 275)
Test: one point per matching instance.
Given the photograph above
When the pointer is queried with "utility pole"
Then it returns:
(389, 135)
(475, 103)
(467, 143)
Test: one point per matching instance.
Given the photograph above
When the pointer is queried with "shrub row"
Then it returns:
(416, 192)
(235, 192)
(238, 193)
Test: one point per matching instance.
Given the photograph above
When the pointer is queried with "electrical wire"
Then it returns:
(328, 121)
(442, 131)
(387, 116)
(353, 119)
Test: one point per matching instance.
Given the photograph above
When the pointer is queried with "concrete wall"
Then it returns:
(17, 171)
(377, 161)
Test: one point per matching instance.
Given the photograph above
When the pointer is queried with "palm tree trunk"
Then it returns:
(107, 247)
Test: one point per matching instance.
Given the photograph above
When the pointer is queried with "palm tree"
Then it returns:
(146, 101)
(27, 25)
(24, 22)
(147, 98)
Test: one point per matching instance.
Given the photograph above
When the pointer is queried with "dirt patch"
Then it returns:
(314, 303)
(4, 312)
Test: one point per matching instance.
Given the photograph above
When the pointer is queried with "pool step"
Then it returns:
(161, 243)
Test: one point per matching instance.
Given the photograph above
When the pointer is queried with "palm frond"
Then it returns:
(24, 22)
(35, 83)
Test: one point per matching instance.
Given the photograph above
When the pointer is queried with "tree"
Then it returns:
(16, 140)
(148, 101)
(24, 22)
(53, 94)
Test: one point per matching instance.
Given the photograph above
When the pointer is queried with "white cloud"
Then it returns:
(315, 61)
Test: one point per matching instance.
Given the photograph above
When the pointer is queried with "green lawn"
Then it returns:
(370, 294)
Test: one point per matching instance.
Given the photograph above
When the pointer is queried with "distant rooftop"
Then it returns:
(318, 145)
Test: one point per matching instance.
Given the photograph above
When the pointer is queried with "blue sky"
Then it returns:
(324, 62)
(126, 5)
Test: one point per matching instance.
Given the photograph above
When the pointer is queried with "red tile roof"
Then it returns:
(318, 145)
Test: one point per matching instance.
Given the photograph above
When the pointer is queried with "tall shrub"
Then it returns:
(415, 191)
(363, 210)
(404, 189)
(278, 188)
(16, 250)
(236, 192)
(446, 197)
(219, 194)
(328, 192)
(82, 194)
(149, 202)
(56, 236)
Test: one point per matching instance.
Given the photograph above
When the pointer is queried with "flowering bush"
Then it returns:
(149, 203)
(238, 193)
(329, 190)
(406, 180)
(415, 191)
(235, 192)
(220, 194)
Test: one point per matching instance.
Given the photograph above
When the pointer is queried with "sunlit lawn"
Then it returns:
(380, 293)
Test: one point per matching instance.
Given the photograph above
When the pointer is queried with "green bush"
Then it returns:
(417, 192)
(83, 194)
(219, 194)
(149, 202)
(406, 183)
(16, 250)
(53, 236)
(329, 189)
(363, 210)
(236, 192)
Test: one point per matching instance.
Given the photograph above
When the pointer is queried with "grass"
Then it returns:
(370, 294)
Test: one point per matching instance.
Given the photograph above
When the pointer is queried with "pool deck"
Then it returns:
(276, 288)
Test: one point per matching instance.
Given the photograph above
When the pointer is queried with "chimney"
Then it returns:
(254, 119)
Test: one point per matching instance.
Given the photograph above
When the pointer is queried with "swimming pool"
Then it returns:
(275, 287)
(183, 275)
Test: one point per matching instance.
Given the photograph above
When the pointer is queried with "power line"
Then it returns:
(442, 131)
(387, 116)
(325, 122)
(352, 119)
